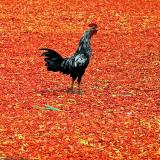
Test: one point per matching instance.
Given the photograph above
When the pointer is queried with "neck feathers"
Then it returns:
(84, 46)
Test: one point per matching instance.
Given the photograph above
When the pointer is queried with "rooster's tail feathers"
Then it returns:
(50, 53)
(53, 59)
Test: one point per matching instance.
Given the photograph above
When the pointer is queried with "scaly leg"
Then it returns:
(72, 85)
(79, 85)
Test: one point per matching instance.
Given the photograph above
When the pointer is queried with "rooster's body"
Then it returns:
(75, 65)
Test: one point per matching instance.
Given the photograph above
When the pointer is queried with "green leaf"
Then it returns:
(52, 108)
(47, 108)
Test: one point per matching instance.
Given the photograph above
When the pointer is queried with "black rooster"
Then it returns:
(75, 65)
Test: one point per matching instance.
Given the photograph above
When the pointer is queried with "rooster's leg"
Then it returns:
(79, 85)
(72, 85)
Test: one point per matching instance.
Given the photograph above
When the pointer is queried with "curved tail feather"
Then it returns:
(53, 59)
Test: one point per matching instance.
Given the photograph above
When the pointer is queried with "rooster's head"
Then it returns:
(93, 27)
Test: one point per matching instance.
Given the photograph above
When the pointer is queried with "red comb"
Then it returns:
(93, 25)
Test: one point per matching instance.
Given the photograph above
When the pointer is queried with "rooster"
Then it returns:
(75, 65)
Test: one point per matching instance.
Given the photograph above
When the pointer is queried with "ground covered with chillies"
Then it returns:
(118, 114)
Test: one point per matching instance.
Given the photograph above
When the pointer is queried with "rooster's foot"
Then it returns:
(80, 92)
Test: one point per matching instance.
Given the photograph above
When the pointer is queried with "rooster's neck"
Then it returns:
(88, 34)
(84, 46)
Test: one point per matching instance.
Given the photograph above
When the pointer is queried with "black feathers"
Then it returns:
(53, 60)
(75, 65)
(50, 53)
